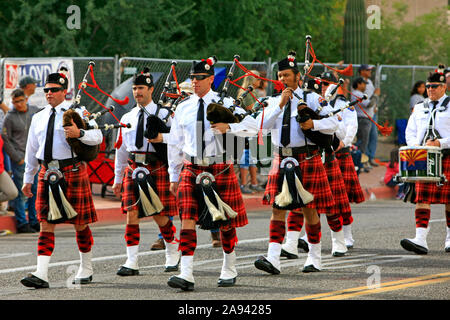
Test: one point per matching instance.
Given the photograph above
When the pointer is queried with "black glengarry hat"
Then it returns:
(58, 78)
(290, 62)
(438, 75)
(204, 66)
(143, 78)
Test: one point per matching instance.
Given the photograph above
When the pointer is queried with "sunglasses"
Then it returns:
(325, 84)
(432, 86)
(18, 101)
(199, 77)
(53, 90)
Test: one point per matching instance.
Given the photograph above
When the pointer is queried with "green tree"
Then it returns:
(424, 41)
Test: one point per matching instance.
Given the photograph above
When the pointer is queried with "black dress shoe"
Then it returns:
(302, 244)
(310, 268)
(411, 246)
(25, 229)
(177, 282)
(171, 268)
(338, 254)
(32, 281)
(447, 249)
(124, 271)
(288, 255)
(226, 282)
(36, 227)
(263, 264)
(82, 280)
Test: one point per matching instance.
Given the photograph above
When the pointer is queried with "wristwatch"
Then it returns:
(81, 133)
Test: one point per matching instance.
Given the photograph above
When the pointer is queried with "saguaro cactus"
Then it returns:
(355, 32)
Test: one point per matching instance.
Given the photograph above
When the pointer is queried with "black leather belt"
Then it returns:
(445, 152)
(292, 152)
(206, 161)
(143, 158)
(61, 163)
(344, 150)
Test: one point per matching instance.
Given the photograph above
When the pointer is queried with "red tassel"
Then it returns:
(347, 71)
(119, 140)
(385, 130)
(279, 86)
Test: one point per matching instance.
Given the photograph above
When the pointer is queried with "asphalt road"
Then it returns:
(376, 269)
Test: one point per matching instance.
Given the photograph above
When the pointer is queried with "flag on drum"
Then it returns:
(413, 159)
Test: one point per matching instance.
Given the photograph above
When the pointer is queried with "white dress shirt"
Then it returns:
(182, 138)
(273, 119)
(348, 124)
(129, 137)
(419, 120)
(61, 149)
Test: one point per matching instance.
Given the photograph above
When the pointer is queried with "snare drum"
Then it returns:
(420, 163)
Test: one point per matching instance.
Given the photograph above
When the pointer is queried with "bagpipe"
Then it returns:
(216, 112)
(87, 152)
(385, 129)
(56, 185)
(168, 101)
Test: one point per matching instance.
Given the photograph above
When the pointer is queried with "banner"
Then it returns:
(38, 69)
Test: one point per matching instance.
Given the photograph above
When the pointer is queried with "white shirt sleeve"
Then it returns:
(175, 145)
(31, 162)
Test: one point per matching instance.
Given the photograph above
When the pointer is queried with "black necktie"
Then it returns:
(434, 103)
(140, 130)
(286, 128)
(201, 121)
(49, 138)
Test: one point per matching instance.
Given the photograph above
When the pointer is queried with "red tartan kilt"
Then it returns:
(337, 185)
(430, 193)
(227, 188)
(159, 173)
(314, 179)
(355, 193)
(78, 194)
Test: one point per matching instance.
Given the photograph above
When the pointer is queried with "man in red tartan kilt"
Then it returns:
(48, 149)
(137, 157)
(194, 143)
(435, 110)
(280, 118)
(338, 216)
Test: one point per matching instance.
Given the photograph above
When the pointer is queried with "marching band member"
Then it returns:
(298, 154)
(433, 110)
(348, 128)
(137, 163)
(192, 143)
(341, 210)
(47, 147)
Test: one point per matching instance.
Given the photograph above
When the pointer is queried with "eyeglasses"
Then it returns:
(18, 101)
(432, 86)
(199, 77)
(53, 90)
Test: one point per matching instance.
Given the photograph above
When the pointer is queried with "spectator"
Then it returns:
(373, 94)
(6, 163)
(28, 85)
(392, 168)
(364, 123)
(8, 190)
(418, 94)
(248, 161)
(15, 132)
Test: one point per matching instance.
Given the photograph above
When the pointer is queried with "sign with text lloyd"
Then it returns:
(38, 69)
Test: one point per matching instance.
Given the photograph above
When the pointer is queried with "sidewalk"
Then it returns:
(108, 208)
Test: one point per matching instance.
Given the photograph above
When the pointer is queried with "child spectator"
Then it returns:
(392, 168)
